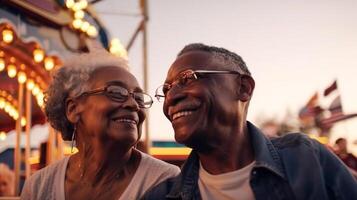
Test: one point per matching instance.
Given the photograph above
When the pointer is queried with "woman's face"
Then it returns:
(102, 118)
(6, 187)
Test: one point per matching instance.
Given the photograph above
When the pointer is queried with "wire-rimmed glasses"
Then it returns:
(120, 94)
(186, 77)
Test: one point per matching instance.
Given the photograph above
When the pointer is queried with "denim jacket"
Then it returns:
(289, 167)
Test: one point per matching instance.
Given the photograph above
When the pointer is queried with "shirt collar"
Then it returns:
(266, 156)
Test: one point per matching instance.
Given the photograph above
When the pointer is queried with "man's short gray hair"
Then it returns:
(232, 59)
(72, 80)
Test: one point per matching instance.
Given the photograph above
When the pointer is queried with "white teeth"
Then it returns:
(126, 121)
(181, 114)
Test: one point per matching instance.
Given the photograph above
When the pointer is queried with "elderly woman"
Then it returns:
(7, 181)
(95, 101)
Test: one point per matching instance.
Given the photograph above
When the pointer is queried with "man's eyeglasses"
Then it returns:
(186, 77)
(120, 94)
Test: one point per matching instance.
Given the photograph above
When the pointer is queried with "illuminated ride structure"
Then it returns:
(35, 38)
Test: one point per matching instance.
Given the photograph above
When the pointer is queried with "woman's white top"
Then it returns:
(48, 183)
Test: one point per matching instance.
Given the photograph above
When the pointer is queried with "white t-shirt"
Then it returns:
(48, 183)
(231, 185)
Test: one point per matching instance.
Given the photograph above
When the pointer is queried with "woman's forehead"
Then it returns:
(101, 76)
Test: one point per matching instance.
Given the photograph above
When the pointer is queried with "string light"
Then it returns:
(69, 3)
(77, 23)
(49, 63)
(30, 84)
(85, 26)
(38, 55)
(35, 90)
(2, 136)
(2, 64)
(2, 103)
(23, 121)
(117, 49)
(79, 14)
(21, 77)
(92, 31)
(7, 36)
(83, 4)
(39, 98)
(11, 71)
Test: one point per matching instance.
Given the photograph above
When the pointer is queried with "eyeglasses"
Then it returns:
(185, 78)
(120, 94)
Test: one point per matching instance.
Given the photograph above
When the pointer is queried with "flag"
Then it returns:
(330, 88)
(335, 107)
(310, 112)
(327, 123)
(311, 108)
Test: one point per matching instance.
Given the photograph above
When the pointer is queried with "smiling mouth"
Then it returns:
(180, 114)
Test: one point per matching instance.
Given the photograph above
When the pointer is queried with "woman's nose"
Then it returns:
(131, 103)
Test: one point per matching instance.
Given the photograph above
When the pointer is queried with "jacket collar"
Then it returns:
(266, 156)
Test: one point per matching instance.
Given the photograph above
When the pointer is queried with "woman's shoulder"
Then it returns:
(155, 164)
(44, 179)
(51, 170)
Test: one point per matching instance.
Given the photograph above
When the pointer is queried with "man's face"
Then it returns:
(201, 108)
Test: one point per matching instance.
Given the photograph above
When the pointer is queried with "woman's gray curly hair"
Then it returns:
(71, 79)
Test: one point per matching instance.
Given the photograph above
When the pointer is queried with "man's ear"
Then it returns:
(246, 89)
(72, 110)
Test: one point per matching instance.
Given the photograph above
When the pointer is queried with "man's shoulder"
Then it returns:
(293, 140)
(161, 190)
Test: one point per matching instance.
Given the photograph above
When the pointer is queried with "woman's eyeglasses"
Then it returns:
(184, 78)
(120, 94)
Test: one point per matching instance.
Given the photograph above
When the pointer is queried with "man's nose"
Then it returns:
(174, 95)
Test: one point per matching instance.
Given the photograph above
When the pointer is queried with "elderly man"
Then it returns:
(206, 97)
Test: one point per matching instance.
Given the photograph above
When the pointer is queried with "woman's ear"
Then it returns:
(246, 88)
(72, 110)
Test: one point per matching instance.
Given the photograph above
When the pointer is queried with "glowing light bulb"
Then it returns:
(35, 90)
(117, 49)
(7, 107)
(39, 98)
(7, 36)
(69, 3)
(79, 14)
(77, 23)
(30, 84)
(85, 26)
(16, 115)
(21, 77)
(76, 7)
(2, 64)
(23, 121)
(38, 55)
(49, 63)
(92, 31)
(2, 136)
(2, 103)
(83, 4)
(11, 71)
